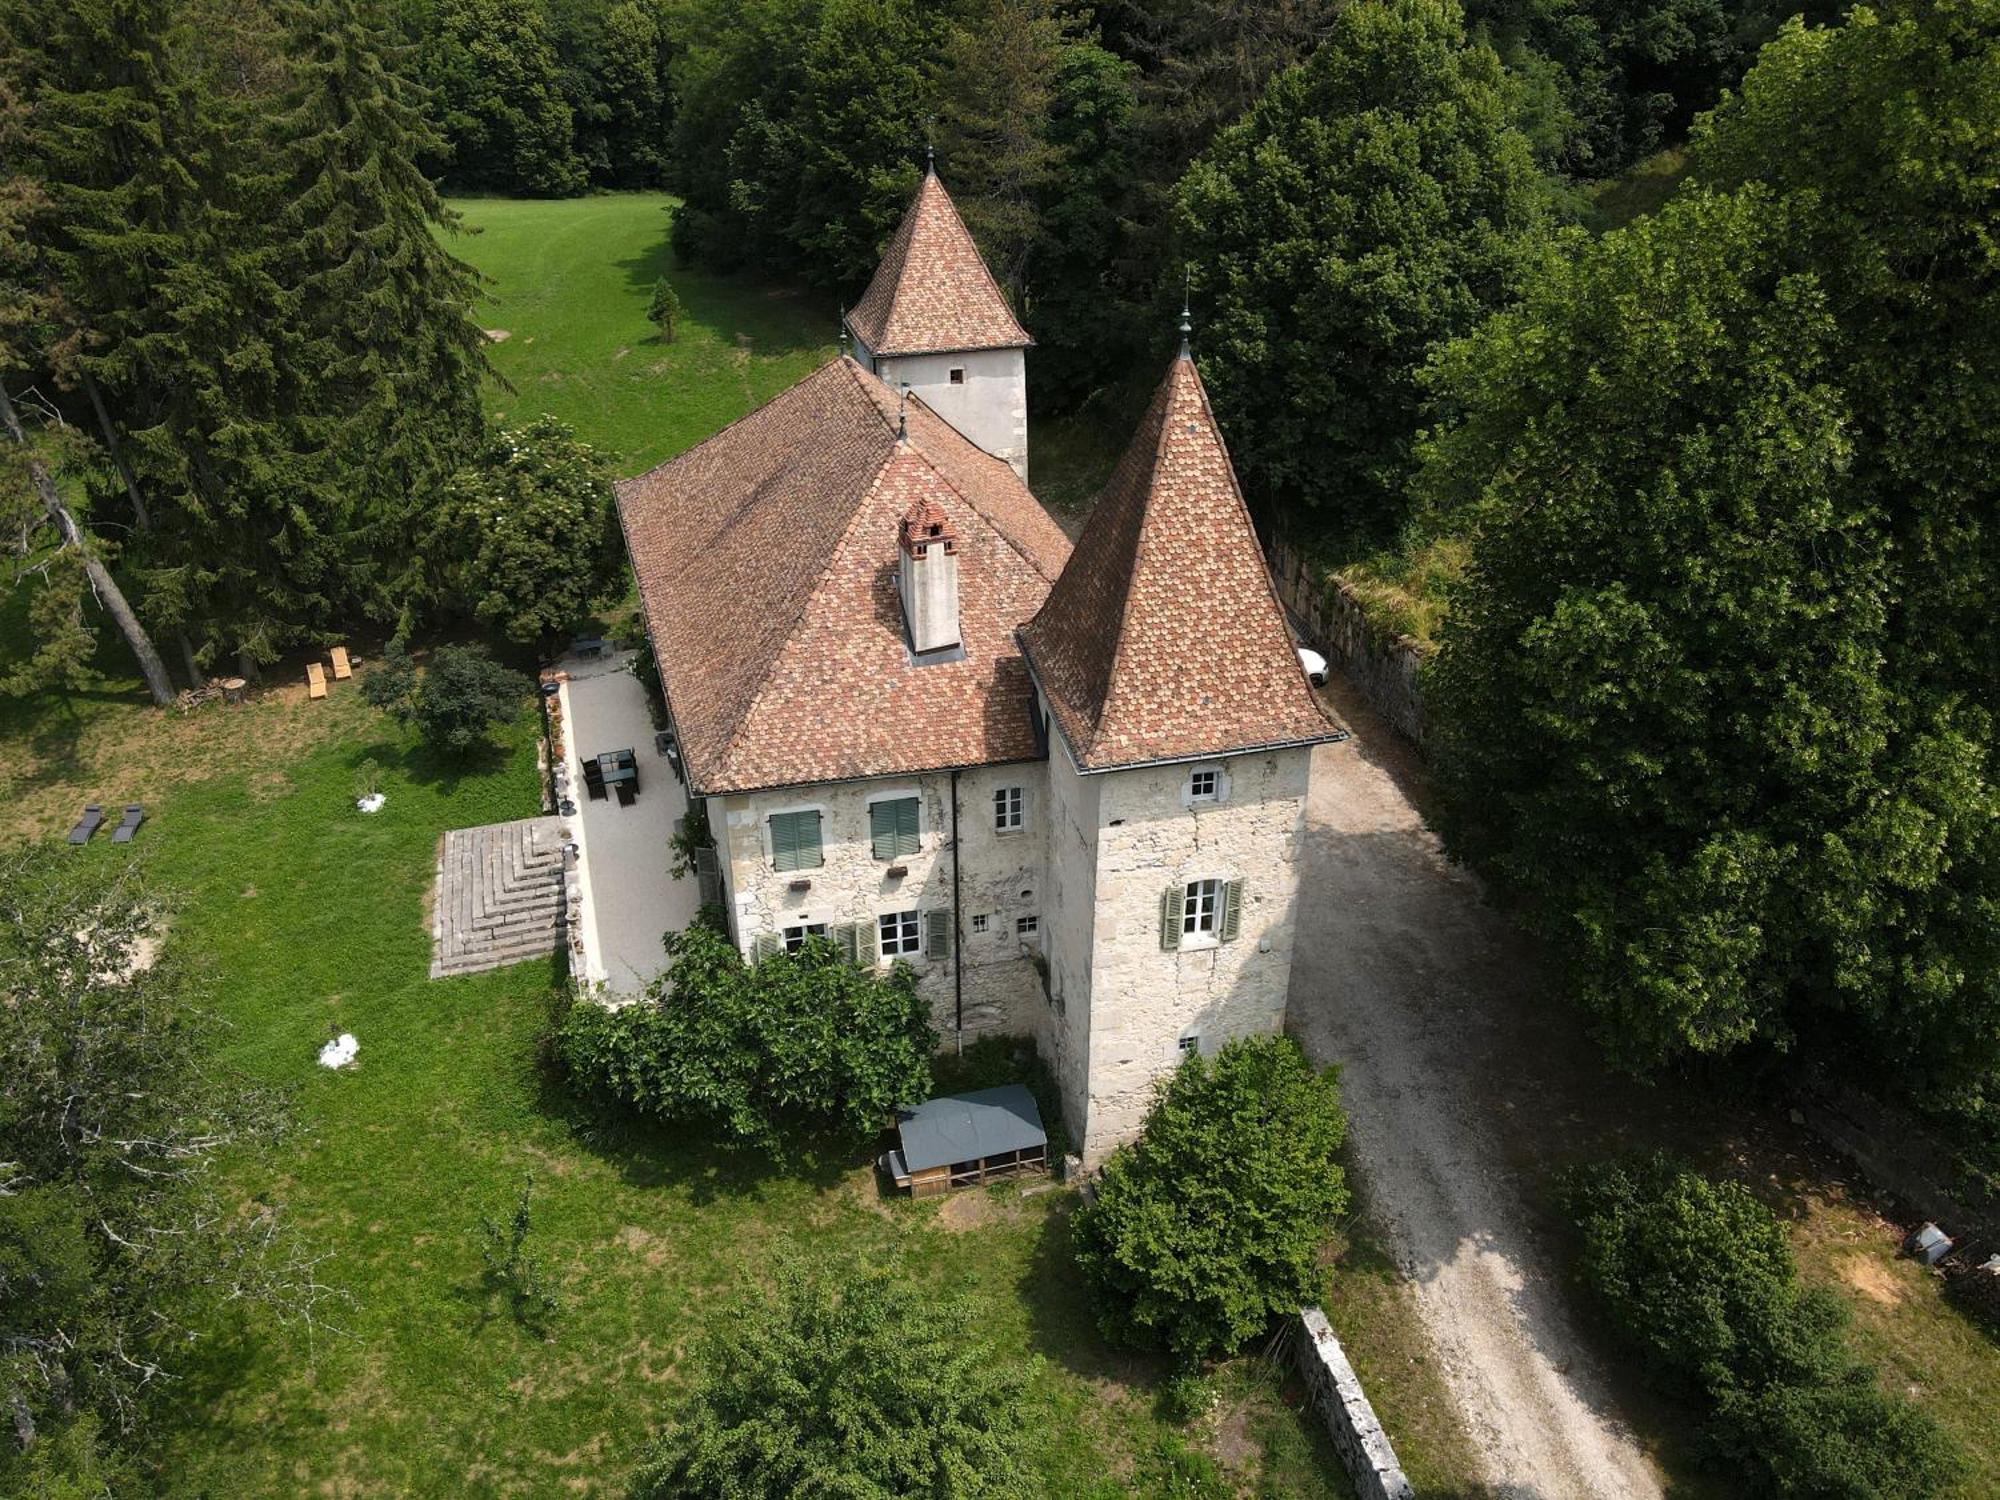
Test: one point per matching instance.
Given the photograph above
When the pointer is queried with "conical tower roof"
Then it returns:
(932, 294)
(1163, 639)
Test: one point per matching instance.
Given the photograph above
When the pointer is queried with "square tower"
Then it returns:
(934, 322)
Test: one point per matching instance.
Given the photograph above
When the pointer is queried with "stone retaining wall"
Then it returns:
(1337, 1395)
(1334, 622)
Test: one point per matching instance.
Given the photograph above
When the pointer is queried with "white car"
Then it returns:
(1314, 666)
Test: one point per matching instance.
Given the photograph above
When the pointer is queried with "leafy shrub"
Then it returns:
(845, 1380)
(531, 531)
(802, 1039)
(1697, 1275)
(1211, 1224)
(455, 703)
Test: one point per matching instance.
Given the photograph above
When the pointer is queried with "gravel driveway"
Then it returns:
(1453, 1060)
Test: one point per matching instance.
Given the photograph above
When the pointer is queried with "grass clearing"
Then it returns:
(568, 284)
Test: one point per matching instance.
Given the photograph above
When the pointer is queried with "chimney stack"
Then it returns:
(929, 577)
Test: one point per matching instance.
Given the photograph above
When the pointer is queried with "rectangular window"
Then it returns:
(1027, 926)
(1007, 809)
(795, 841)
(795, 937)
(979, 923)
(1189, 1044)
(1202, 785)
(898, 933)
(957, 377)
(1201, 907)
(892, 825)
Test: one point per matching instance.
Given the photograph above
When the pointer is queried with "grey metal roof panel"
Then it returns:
(965, 1127)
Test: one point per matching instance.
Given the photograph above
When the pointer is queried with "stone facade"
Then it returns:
(989, 405)
(1000, 884)
(1123, 1006)
(1087, 872)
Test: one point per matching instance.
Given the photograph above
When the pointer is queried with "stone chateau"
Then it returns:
(1064, 783)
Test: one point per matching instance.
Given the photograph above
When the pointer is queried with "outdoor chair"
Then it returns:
(315, 680)
(135, 814)
(87, 824)
(593, 779)
(342, 667)
(628, 793)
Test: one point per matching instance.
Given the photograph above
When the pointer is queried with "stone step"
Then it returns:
(501, 896)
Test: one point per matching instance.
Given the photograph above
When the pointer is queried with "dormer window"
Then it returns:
(1204, 785)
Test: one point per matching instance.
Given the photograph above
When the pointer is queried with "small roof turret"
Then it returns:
(932, 294)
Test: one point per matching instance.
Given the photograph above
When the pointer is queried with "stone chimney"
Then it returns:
(929, 577)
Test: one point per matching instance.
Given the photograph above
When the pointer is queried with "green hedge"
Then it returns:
(1698, 1278)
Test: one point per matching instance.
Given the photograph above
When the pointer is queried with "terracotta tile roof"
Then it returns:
(767, 562)
(932, 293)
(1163, 638)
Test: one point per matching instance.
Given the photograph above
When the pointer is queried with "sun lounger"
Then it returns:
(135, 814)
(87, 824)
(315, 680)
(342, 667)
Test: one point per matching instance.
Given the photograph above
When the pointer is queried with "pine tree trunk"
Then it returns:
(117, 453)
(106, 587)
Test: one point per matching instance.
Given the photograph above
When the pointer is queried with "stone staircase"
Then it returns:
(500, 896)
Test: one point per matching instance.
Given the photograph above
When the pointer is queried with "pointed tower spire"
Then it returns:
(1163, 638)
(932, 292)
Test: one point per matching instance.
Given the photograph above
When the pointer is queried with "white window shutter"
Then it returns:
(1232, 910)
(1171, 901)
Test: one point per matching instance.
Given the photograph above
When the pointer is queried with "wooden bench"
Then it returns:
(342, 667)
(315, 680)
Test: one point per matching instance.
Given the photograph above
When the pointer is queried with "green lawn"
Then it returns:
(568, 285)
(309, 917)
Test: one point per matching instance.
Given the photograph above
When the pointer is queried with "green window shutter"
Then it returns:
(1232, 909)
(795, 841)
(764, 945)
(1170, 917)
(847, 938)
(707, 877)
(892, 827)
(937, 934)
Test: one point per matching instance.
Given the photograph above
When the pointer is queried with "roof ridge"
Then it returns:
(992, 522)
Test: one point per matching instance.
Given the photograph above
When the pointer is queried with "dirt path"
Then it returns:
(1452, 1060)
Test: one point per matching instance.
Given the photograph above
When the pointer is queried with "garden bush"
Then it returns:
(848, 1381)
(454, 703)
(797, 1040)
(1698, 1277)
(1211, 1224)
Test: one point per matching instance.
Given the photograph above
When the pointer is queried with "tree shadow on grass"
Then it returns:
(1062, 1320)
(751, 311)
(439, 770)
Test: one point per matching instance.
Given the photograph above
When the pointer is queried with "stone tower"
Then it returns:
(934, 321)
(1178, 768)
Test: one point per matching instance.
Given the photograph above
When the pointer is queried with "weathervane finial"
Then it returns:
(1187, 321)
(930, 146)
(843, 329)
(902, 412)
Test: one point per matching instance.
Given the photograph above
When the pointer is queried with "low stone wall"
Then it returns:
(1337, 1395)
(1335, 624)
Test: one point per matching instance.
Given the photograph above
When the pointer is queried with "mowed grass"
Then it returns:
(308, 917)
(568, 285)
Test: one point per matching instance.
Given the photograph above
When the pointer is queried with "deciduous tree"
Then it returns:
(1377, 201)
(1210, 1226)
